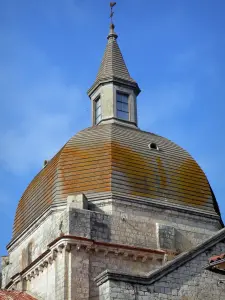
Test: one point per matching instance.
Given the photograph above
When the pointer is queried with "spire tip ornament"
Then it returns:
(112, 33)
(112, 4)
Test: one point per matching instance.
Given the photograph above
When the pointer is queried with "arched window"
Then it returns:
(29, 253)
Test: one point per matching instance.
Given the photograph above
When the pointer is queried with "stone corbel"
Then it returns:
(36, 271)
(17, 280)
(28, 277)
(144, 258)
(154, 258)
(96, 249)
(135, 257)
(50, 260)
(68, 247)
(45, 263)
(54, 254)
(78, 247)
(41, 267)
(60, 248)
(88, 248)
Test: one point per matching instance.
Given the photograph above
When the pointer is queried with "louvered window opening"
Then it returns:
(98, 111)
(122, 106)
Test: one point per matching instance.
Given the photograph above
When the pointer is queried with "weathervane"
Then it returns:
(112, 12)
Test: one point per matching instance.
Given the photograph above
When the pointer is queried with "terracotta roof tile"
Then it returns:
(216, 258)
(15, 295)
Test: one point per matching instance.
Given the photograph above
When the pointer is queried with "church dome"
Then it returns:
(117, 159)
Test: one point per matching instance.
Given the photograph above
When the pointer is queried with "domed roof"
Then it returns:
(116, 159)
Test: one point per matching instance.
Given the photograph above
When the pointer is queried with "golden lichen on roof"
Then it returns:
(116, 159)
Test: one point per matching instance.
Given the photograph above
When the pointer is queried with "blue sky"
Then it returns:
(49, 56)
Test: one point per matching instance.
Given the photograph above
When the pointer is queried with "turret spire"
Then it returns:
(113, 74)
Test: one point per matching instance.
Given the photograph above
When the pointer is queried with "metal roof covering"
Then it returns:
(115, 158)
(14, 295)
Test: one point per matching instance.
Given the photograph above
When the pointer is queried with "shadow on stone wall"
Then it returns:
(100, 227)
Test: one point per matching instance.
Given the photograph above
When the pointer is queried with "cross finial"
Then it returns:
(112, 4)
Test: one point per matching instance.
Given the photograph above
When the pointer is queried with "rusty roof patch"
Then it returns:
(115, 158)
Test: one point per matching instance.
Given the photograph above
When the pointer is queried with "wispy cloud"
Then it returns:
(54, 11)
(174, 94)
(57, 11)
(39, 105)
(185, 73)
(6, 203)
(165, 102)
(187, 109)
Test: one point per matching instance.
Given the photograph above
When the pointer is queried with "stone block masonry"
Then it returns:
(68, 247)
(188, 281)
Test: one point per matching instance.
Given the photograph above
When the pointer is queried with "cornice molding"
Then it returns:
(177, 262)
(34, 225)
(67, 243)
(117, 81)
(137, 200)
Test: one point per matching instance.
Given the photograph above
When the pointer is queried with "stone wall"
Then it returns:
(52, 282)
(188, 282)
(191, 229)
(86, 265)
(44, 285)
(149, 226)
(80, 268)
(30, 246)
(100, 262)
(122, 223)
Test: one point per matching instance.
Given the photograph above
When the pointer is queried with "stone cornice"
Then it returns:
(128, 199)
(67, 242)
(117, 81)
(119, 276)
(118, 121)
(164, 270)
(35, 224)
(112, 247)
(115, 197)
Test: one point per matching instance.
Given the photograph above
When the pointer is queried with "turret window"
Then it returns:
(98, 111)
(122, 106)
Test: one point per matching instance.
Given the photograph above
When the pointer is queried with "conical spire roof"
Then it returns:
(113, 67)
(113, 63)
